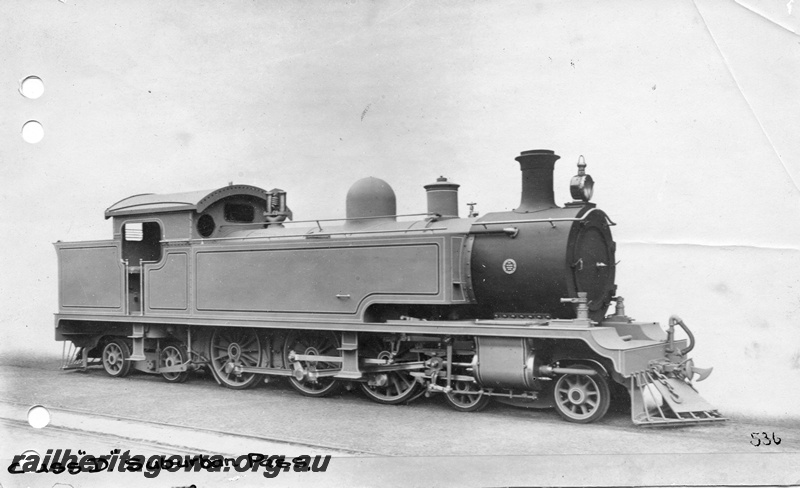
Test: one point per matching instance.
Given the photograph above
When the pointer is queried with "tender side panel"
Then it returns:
(321, 280)
(91, 276)
(167, 284)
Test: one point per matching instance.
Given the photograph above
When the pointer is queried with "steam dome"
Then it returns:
(371, 197)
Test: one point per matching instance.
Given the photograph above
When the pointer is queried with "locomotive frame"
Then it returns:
(511, 305)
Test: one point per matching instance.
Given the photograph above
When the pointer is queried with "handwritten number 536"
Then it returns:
(757, 440)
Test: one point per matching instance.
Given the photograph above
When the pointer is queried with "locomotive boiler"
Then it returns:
(509, 305)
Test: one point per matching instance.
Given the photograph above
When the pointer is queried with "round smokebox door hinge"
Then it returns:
(509, 266)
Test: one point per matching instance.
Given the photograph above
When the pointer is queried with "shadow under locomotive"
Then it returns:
(510, 305)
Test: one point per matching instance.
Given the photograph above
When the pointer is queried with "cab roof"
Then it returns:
(197, 201)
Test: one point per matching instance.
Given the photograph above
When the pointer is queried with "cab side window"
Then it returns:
(141, 241)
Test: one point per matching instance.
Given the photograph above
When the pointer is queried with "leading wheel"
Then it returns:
(313, 343)
(467, 396)
(232, 349)
(582, 398)
(390, 387)
(115, 358)
(174, 356)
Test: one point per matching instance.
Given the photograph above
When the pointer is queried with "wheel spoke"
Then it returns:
(396, 384)
(405, 380)
(252, 359)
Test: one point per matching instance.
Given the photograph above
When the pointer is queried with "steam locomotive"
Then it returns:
(509, 305)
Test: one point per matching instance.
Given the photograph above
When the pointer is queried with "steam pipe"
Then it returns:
(550, 371)
(675, 320)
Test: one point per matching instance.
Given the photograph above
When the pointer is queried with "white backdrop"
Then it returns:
(687, 114)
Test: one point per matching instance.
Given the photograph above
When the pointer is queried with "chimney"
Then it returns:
(537, 179)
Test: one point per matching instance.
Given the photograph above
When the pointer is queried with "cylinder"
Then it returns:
(505, 362)
(443, 198)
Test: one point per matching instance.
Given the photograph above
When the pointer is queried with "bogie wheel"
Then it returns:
(582, 398)
(233, 348)
(174, 355)
(313, 343)
(390, 387)
(115, 358)
(467, 396)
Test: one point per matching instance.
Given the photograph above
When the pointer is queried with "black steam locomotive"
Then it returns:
(510, 305)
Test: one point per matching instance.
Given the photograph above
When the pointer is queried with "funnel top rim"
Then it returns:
(537, 156)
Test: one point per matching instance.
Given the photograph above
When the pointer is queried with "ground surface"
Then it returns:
(426, 433)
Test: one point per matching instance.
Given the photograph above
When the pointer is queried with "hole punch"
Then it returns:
(32, 132)
(38, 417)
(31, 87)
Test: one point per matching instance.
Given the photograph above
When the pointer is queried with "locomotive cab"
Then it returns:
(143, 269)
